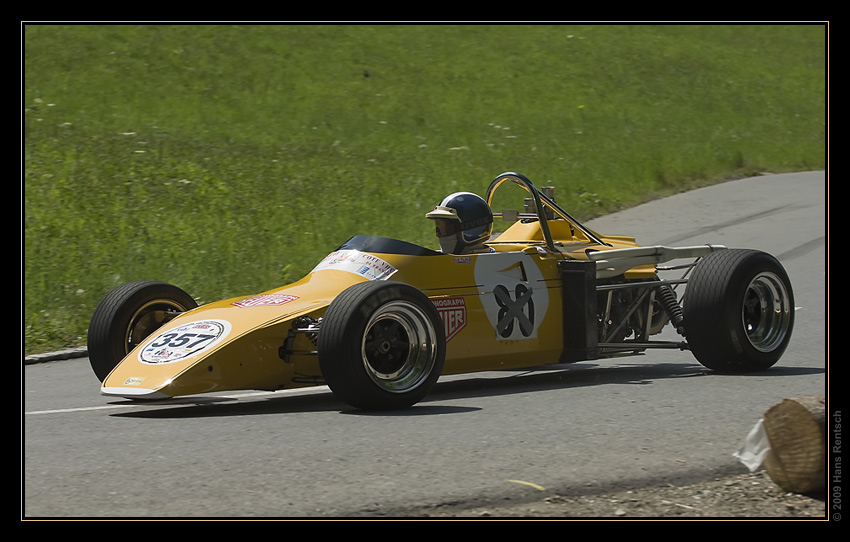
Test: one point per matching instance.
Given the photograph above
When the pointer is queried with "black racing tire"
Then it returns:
(367, 345)
(738, 311)
(126, 316)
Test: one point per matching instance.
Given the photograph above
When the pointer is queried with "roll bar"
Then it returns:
(539, 199)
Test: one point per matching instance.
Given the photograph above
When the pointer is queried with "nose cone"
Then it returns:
(218, 349)
(231, 344)
(149, 371)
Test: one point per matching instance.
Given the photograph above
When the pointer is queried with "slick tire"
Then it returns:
(738, 311)
(381, 346)
(127, 315)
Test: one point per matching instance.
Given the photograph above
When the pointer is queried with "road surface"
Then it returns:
(490, 437)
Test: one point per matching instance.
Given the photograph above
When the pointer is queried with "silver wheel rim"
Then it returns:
(766, 312)
(399, 347)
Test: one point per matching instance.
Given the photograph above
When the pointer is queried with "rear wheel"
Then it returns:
(381, 345)
(738, 311)
(126, 316)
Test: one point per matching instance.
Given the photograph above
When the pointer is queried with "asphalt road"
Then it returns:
(491, 437)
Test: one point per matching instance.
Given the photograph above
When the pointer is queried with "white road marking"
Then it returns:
(182, 401)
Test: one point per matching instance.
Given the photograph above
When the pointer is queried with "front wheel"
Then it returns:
(381, 346)
(738, 311)
(126, 316)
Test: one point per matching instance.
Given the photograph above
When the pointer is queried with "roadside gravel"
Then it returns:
(752, 496)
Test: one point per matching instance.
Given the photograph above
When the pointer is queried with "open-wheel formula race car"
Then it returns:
(379, 320)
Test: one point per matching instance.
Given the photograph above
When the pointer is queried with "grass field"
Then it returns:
(230, 159)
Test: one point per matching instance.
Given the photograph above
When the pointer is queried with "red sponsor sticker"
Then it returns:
(265, 299)
(453, 314)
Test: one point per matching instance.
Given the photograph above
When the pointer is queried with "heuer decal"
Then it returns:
(453, 314)
(184, 341)
(265, 299)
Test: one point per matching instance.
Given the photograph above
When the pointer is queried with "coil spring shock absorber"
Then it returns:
(668, 300)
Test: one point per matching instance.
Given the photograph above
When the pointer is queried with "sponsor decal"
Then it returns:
(184, 341)
(265, 299)
(359, 263)
(453, 314)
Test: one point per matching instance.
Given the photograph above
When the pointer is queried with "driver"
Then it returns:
(464, 221)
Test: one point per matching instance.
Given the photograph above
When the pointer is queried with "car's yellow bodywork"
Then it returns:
(461, 287)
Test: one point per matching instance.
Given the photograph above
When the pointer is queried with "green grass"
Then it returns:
(230, 159)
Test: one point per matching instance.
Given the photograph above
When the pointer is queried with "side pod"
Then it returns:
(579, 319)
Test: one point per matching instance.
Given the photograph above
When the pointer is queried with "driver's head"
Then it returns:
(464, 221)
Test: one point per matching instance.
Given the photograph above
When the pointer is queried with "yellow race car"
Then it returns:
(379, 320)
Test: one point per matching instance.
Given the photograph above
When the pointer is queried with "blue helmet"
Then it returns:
(463, 220)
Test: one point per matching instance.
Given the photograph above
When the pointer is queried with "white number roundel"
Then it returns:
(184, 341)
(514, 294)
